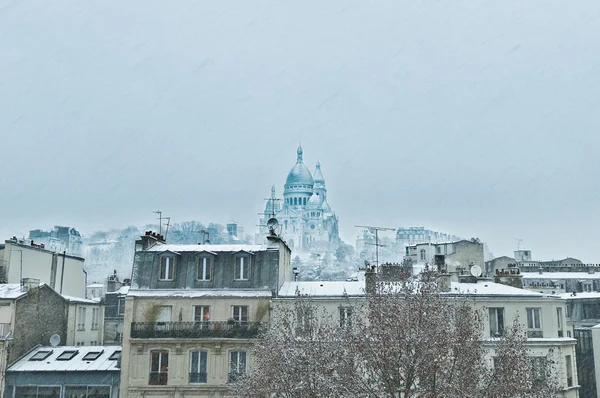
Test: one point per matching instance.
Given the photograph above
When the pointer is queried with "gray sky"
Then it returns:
(474, 118)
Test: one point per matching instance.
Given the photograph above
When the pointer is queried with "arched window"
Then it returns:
(304, 201)
(295, 201)
(423, 254)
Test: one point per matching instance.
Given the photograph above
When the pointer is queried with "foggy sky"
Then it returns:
(470, 117)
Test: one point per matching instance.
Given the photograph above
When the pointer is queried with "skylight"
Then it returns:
(41, 355)
(115, 356)
(92, 356)
(67, 355)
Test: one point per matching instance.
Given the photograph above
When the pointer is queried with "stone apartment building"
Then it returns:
(26, 259)
(193, 312)
(446, 255)
(542, 315)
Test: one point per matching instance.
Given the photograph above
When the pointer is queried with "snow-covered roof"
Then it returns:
(11, 291)
(207, 248)
(199, 293)
(74, 299)
(123, 290)
(559, 275)
(337, 289)
(76, 363)
(323, 289)
(486, 288)
(95, 285)
(579, 295)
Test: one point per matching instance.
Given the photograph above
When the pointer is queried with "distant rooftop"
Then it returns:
(560, 275)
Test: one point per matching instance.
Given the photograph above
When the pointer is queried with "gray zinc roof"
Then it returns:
(75, 364)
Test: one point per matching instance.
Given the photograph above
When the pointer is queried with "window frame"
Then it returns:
(243, 266)
(167, 263)
(203, 313)
(499, 332)
(121, 305)
(534, 329)
(423, 255)
(159, 371)
(200, 352)
(234, 367)
(346, 314)
(243, 313)
(81, 315)
(201, 268)
(95, 318)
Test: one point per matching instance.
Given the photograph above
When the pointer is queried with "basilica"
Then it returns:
(306, 220)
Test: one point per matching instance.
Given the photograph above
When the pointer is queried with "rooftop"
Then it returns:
(207, 248)
(337, 289)
(74, 299)
(580, 295)
(323, 289)
(560, 275)
(11, 291)
(199, 293)
(44, 359)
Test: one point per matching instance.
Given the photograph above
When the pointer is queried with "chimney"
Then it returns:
(514, 280)
(370, 279)
(148, 240)
(29, 283)
(443, 282)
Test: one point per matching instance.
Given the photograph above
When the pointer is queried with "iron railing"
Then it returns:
(158, 378)
(198, 377)
(214, 329)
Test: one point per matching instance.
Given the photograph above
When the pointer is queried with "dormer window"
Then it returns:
(204, 265)
(167, 268)
(241, 270)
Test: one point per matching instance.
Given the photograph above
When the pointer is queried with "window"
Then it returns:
(240, 313)
(198, 366)
(92, 355)
(159, 367)
(345, 317)
(167, 269)
(242, 268)
(115, 356)
(496, 322)
(41, 355)
(569, 371)
(95, 316)
(534, 322)
(559, 320)
(67, 355)
(87, 391)
(201, 313)
(237, 364)
(304, 319)
(94, 342)
(204, 268)
(121, 305)
(438, 250)
(81, 318)
(80, 343)
(538, 371)
(423, 255)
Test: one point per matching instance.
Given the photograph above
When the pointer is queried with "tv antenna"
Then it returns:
(271, 215)
(375, 230)
(159, 221)
(205, 237)
(168, 222)
(519, 240)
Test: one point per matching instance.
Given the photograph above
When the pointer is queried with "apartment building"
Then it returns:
(193, 312)
(543, 316)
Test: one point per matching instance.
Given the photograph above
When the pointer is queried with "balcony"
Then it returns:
(198, 378)
(158, 378)
(195, 330)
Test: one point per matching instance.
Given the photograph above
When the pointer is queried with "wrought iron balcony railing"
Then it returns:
(198, 377)
(158, 378)
(210, 329)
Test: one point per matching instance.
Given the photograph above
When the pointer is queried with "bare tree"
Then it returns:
(405, 339)
(302, 355)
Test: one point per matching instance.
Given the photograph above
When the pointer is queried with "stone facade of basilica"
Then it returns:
(306, 220)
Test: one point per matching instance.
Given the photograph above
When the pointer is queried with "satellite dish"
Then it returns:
(476, 271)
(120, 328)
(54, 340)
(272, 224)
